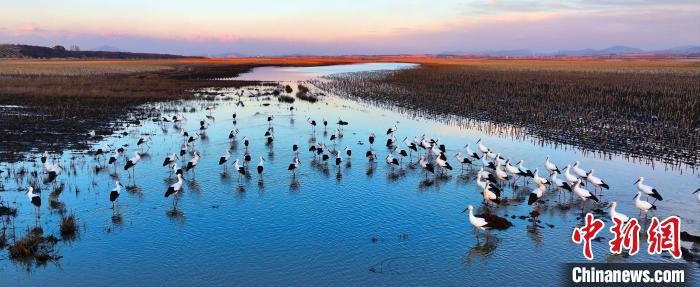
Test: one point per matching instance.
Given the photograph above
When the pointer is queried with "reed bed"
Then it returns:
(644, 114)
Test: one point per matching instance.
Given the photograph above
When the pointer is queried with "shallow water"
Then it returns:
(327, 225)
(307, 73)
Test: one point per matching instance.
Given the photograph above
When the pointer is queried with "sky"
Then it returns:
(316, 27)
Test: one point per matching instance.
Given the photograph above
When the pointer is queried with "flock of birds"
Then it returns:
(494, 170)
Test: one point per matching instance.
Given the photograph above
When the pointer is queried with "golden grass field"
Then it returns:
(97, 67)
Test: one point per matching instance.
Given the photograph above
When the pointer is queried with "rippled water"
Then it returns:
(328, 226)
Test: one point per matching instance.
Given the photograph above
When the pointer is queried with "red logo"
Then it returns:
(626, 236)
(586, 233)
(665, 236)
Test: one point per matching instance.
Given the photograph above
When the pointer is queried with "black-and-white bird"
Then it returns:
(471, 153)
(114, 157)
(131, 163)
(174, 190)
(648, 190)
(224, 158)
(294, 165)
(338, 158)
(391, 160)
(45, 157)
(312, 123)
(371, 156)
(462, 160)
(583, 193)
(170, 159)
(114, 194)
(241, 169)
(246, 142)
(392, 130)
(371, 139)
(348, 151)
(193, 162)
(232, 135)
(427, 167)
(183, 148)
(643, 205)
(599, 183)
(536, 193)
(261, 166)
(578, 171)
(551, 167)
(35, 200)
(480, 145)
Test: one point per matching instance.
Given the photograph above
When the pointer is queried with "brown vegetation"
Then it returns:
(630, 110)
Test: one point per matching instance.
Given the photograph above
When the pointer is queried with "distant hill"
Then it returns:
(27, 51)
(693, 51)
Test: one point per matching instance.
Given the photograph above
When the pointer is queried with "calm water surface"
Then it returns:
(307, 73)
(328, 226)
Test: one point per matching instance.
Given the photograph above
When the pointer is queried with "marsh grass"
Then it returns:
(640, 113)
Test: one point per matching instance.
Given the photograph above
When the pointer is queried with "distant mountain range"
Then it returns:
(110, 52)
(610, 51)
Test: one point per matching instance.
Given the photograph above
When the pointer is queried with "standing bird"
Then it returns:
(224, 158)
(599, 183)
(35, 199)
(427, 167)
(338, 159)
(614, 214)
(491, 195)
(246, 142)
(114, 157)
(142, 141)
(478, 222)
(392, 130)
(550, 166)
(643, 205)
(648, 190)
(261, 166)
(269, 120)
(45, 157)
(193, 162)
(568, 176)
(114, 194)
(174, 190)
(583, 193)
(371, 156)
(294, 166)
(471, 153)
(558, 183)
(241, 169)
(183, 148)
(371, 139)
(539, 180)
(232, 135)
(462, 160)
(536, 194)
(392, 161)
(131, 163)
(482, 147)
(577, 170)
(348, 151)
(401, 152)
(411, 148)
(170, 159)
(313, 124)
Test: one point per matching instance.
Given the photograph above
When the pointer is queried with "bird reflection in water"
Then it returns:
(482, 250)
